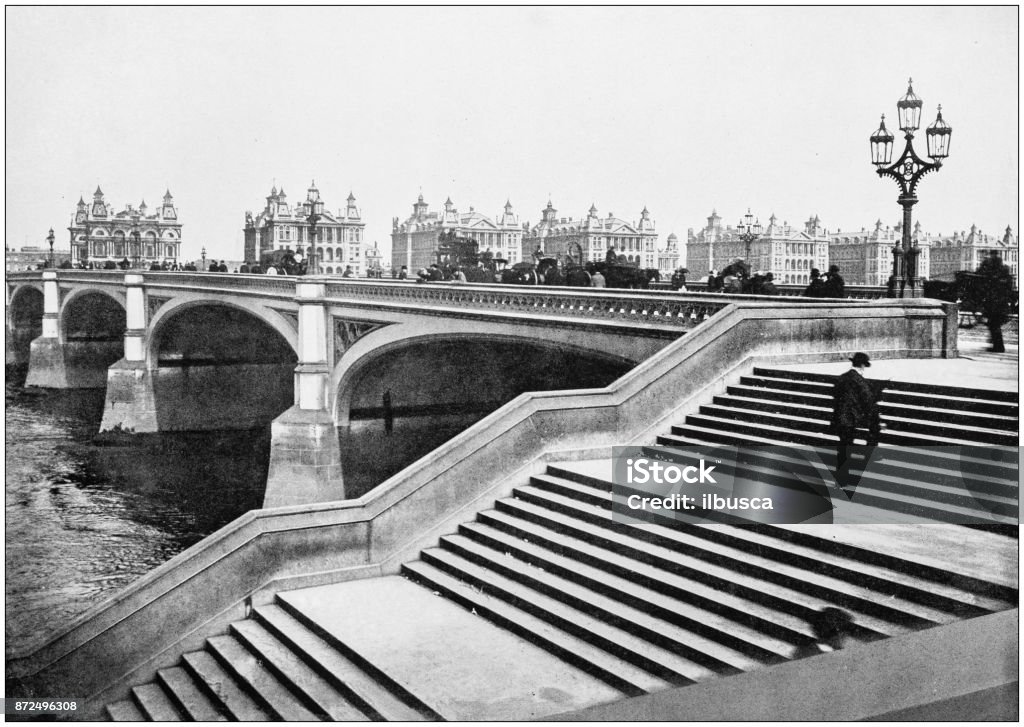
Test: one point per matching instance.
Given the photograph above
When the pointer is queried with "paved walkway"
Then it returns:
(977, 368)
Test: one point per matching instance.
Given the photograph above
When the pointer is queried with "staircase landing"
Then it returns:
(460, 665)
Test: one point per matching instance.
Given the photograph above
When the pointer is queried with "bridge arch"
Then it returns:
(93, 315)
(165, 315)
(26, 304)
(24, 322)
(218, 365)
(491, 368)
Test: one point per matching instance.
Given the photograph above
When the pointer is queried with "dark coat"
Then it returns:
(835, 286)
(816, 289)
(854, 403)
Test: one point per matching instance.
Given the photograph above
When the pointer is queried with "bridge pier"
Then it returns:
(131, 402)
(305, 455)
(46, 356)
(59, 361)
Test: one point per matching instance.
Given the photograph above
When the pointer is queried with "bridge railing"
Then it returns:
(200, 591)
(854, 292)
(658, 308)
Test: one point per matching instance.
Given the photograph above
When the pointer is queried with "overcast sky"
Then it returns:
(679, 109)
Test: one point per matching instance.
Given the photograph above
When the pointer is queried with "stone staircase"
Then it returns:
(932, 436)
(545, 603)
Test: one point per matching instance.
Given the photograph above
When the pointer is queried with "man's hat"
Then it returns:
(860, 359)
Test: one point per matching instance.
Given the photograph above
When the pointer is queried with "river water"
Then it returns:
(84, 520)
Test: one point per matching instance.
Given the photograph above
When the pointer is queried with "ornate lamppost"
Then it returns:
(316, 208)
(907, 171)
(49, 239)
(136, 243)
(751, 233)
(204, 258)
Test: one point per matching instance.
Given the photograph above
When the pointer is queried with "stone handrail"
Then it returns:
(198, 592)
(634, 306)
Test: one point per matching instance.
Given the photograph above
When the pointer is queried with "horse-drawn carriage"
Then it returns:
(979, 296)
(283, 262)
(463, 253)
(574, 271)
(455, 252)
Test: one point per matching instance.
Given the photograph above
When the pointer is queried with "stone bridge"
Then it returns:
(195, 351)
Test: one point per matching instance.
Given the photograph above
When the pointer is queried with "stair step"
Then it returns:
(814, 394)
(463, 666)
(928, 502)
(875, 487)
(192, 700)
(571, 561)
(799, 431)
(890, 395)
(615, 671)
(896, 416)
(673, 668)
(125, 711)
(799, 597)
(930, 389)
(926, 411)
(693, 541)
(640, 565)
(899, 432)
(926, 468)
(220, 685)
(360, 688)
(259, 680)
(314, 691)
(687, 643)
(154, 703)
(893, 577)
(943, 460)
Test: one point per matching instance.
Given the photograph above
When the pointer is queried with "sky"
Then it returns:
(681, 110)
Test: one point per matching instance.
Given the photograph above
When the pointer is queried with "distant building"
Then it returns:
(669, 259)
(557, 236)
(99, 234)
(281, 226)
(787, 252)
(865, 257)
(30, 256)
(414, 241)
(965, 251)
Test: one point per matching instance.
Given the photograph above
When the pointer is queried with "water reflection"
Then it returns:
(84, 520)
(369, 455)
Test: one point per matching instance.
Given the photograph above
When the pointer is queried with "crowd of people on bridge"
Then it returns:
(736, 278)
